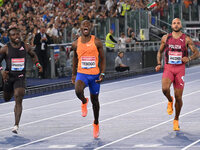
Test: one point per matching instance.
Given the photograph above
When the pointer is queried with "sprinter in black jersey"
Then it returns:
(13, 76)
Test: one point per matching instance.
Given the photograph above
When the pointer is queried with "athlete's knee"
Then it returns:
(79, 92)
(95, 100)
(165, 90)
(19, 94)
(178, 98)
(95, 104)
(18, 97)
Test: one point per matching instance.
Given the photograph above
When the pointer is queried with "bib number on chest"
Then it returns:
(88, 62)
(175, 57)
(17, 64)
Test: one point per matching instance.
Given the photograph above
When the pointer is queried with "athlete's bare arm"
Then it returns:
(193, 48)
(160, 51)
(31, 53)
(75, 61)
(3, 53)
(4, 50)
(34, 57)
(99, 46)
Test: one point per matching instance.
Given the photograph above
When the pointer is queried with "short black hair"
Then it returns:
(87, 18)
(12, 28)
(120, 52)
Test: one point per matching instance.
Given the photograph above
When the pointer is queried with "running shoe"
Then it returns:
(15, 129)
(95, 130)
(84, 108)
(170, 107)
(176, 125)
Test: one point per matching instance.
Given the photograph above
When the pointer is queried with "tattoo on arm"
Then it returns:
(193, 49)
(161, 50)
(192, 46)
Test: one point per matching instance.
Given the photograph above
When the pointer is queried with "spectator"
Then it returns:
(119, 66)
(64, 13)
(62, 62)
(118, 10)
(40, 41)
(109, 4)
(110, 42)
(187, 3)
(46, 18)
(125, 7)
(56, 34)
(123, 40)
(28, 7)
(133, 40)
(5, 38)
(75, 32)
(130, 30)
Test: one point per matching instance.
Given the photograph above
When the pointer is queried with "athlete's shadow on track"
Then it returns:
(93, 144)
(178, 138)
(14, 140)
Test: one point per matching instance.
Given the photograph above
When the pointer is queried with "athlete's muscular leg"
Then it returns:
(79, 89)
(179, 102)
(96, 107)
(18, 95)
(166, 83)
(7, 96)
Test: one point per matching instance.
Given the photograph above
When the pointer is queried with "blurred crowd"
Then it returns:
(56, 15)
(43, 21)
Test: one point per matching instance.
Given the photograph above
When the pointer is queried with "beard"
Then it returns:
(178, 30)
(15, 42)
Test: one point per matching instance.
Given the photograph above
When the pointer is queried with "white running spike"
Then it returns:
(15, 129)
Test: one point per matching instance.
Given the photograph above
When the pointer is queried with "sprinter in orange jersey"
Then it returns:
(86, 72)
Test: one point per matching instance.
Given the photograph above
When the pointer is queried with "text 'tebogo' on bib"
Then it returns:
(88, 62)
(175, 57)
(17, 64)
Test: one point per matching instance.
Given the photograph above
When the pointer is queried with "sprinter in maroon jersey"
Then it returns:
(175, 45)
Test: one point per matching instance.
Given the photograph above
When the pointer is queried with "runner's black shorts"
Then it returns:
(13, 83)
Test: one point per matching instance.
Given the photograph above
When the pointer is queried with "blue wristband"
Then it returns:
(103, 74)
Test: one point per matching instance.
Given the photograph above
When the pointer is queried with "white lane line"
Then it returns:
(69, 131)
(104, 104)
(192, 144)
(38, 97)
(53, 104)
(144, 130)
(115, 82)
(62, 146)
(66, 101)
(144, 77)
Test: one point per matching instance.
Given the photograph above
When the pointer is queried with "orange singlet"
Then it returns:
(88, 57)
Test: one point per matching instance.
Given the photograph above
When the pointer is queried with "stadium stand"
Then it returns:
(148, 19)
